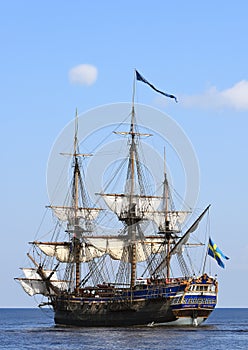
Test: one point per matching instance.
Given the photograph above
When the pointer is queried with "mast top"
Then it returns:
(76, 153)
(76, 133)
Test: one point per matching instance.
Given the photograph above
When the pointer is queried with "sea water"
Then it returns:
(35, 329)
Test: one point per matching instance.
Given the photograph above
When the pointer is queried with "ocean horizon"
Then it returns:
(34, 328)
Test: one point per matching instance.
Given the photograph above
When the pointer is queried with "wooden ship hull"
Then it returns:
(113, 314)
(168, 304)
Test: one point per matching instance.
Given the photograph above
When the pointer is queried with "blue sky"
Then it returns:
(195, 50)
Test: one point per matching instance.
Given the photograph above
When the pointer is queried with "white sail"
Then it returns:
(148, 247)
(112, 246)
(117, 248)
(95, 247)
(175, 218)
(32, 287)
(69, 213)
(120, 204)
(31, 273)
(63, 252)
(33, 283)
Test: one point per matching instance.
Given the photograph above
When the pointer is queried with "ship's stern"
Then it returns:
(193, 304)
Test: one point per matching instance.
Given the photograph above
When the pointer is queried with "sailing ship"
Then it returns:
(125, 278)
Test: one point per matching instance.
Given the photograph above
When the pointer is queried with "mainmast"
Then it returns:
(133, 214)
(134, 217)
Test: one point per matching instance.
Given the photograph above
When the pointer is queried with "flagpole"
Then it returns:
(134, 86)
(205, 260)
(206, 254)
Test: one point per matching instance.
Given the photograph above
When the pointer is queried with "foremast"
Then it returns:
(168, 234)
(79, 210)
(76, 238)
(77, 230)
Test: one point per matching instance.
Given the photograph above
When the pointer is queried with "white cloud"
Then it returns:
(83, 74)
(235, 97)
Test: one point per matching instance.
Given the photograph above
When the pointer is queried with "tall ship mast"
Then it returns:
(125, 278)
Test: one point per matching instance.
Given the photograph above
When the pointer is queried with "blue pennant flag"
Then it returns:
(140, 78)
(216, 253)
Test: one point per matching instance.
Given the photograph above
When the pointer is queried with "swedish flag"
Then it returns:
(216, 253)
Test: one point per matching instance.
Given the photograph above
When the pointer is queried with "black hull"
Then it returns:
(146, 305)
(114, 314)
